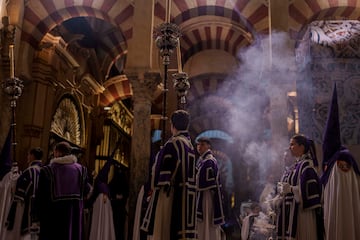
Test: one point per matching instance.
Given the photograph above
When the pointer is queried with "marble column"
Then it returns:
(143, 86)
(281, 77)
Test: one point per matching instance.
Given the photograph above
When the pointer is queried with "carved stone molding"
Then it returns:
(66, 121)
(335, 39)
(120, 115)
(144, 85)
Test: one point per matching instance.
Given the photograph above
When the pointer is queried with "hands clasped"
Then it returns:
(284, 188)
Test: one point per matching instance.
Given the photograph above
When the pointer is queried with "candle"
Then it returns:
(179, 57)
(168, 11)
(12, 61)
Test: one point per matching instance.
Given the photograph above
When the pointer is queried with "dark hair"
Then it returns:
(203, 140)
(302, 140)
(309, 146)
(180, 119)
(37, 153)
(64, 148)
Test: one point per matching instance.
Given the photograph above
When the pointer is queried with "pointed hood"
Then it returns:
(332, 138)
(101, 181)
(332, 148)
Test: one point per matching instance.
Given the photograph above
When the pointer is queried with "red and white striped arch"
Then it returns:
(204, 84)
(215, 106)
(249, 16)
(302, 13)
(116, 88)
(203, 90)
(42, 16)
(219, 36)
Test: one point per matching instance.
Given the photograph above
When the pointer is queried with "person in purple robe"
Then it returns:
(341, 181)
(210, 213)
(171, 213)
(22, 219)
(119, 193)
(301, 194)
(63, 185)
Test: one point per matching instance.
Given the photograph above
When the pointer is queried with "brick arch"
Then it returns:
(41, 16)
(302, 13)
(206, 114)
(247, 12)
(213, 34)
(204, 84)
(233, 30)
(116, 88)
(250, 16)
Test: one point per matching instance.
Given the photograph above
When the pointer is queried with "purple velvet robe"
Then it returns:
(62, 187)
(174, 169)
(26, 187)
(304, 175)
(209, 180)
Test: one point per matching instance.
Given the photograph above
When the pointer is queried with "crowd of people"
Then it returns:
(183, 197)
(50, 202)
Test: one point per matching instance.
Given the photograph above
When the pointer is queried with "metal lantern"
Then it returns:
(181, 85)
(166, 39)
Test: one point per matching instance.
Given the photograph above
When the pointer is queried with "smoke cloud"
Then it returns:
(250, 88)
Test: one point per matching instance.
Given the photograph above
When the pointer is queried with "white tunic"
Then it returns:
(206, 228)
(7, 188)
(342, 205)
(102, 224)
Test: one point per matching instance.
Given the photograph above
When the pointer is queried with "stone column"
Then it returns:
(282, 75)
(143, 86)
(140, 72)
(140, 47)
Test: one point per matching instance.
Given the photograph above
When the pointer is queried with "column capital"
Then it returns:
(144, 85)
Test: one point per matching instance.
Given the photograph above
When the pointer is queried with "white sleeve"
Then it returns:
(245, 229)
(297, 194)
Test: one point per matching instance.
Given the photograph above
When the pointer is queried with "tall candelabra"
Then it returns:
(166, 39)
(12, 85)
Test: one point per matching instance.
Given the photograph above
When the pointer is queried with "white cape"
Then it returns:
(341, 205)
(102, 224)
(7, 189)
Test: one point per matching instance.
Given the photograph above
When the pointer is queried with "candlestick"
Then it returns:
(12, 61)
(179, 57)
(168, 11)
